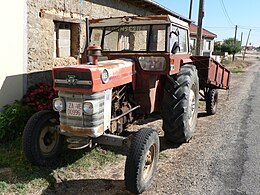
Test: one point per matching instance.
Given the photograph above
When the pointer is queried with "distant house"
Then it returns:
(250, 47)
(207, 42)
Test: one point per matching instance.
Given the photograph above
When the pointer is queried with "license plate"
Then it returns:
(74, 109)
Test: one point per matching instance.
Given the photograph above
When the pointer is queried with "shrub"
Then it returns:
(15, 116)
(13, 119)
(40, 96)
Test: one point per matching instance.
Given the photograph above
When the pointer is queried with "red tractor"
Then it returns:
(145, 66)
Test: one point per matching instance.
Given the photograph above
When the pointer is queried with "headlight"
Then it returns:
(58, 104)
(88, 108)
(152, 63)
(91, 107)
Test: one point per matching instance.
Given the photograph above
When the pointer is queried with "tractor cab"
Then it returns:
(157, 45)
(151, 40)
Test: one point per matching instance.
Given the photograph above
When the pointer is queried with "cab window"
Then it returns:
(179, 36)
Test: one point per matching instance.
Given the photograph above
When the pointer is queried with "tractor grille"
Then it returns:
(86, 120)
(73, 79)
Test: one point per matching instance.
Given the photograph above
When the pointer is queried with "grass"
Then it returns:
(236, 70)
(238, 65)
(18, 176)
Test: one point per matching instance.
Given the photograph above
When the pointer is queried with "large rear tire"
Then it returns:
(212, 101)
(42, 143)
(180, 105)
(142, 160)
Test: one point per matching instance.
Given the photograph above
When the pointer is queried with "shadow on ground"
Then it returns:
(202, 114)
(17, 170)
(88, 186)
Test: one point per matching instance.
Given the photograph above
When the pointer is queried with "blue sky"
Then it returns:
(244, 13)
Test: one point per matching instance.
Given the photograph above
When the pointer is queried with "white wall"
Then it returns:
(13, 50)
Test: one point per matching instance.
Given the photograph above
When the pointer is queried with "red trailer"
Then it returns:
(212, 76)
(211, 73)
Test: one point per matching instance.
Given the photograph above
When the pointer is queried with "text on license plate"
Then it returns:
(74, 109)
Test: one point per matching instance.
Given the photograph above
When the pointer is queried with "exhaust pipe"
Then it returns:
(85, 56)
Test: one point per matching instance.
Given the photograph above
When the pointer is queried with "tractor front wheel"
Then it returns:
(142, 160)
(42, 143)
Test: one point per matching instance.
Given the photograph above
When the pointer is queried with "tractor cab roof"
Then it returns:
(139, 20)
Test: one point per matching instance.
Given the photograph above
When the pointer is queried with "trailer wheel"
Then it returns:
(212, 101)
(180, 105)
(42, 143)
(142, 160)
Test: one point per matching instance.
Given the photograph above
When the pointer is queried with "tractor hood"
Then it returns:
(93, 78)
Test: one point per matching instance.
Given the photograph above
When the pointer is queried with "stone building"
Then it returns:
(46, 33)
(56, 29)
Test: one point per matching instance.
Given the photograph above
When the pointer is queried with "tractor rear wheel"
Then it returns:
(180, 105)
(211, 101)
(142, 160)
(42, 143)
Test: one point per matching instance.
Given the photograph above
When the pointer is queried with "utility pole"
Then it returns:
(241, 39)
(190, 9)
(246, 44)
(235, 40)
(199, 31)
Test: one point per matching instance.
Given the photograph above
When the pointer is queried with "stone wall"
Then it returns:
(41, 27)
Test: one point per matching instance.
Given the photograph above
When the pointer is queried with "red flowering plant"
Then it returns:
(40, 96)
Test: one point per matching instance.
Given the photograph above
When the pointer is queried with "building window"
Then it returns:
(66, 40)
(208, 45)
(193, 43)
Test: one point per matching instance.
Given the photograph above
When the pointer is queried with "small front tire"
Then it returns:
(42, 143)
(211, 101)
(142, 160)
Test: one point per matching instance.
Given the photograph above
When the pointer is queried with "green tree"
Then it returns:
(217, 47)
(230, 47)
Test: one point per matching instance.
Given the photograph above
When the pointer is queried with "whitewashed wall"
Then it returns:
(13, 50)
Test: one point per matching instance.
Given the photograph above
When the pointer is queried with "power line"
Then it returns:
(255, 28)
(226, 13)
(223, 27)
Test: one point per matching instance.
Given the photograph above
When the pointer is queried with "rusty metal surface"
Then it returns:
(94, 51)
(146, 90)
(82, 131)
(132, 20)
(120, 72)
(138, 20)
(211, 73)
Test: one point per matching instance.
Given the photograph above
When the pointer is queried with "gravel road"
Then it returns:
(222, 158)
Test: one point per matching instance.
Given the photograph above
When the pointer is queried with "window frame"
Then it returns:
(148, 42)
(74, 45)
(187, 39)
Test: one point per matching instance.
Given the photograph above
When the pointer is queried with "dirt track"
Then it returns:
(211, 163)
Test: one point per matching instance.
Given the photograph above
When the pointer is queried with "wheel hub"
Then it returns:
(48, 139)
(192, 106)
(148, 163)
